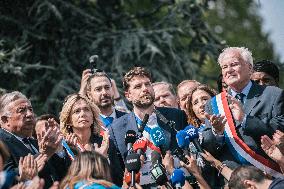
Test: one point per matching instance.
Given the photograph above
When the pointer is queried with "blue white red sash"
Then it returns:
(68, 150)
(237, 146)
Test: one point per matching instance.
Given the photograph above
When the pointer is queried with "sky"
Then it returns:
(272, 12)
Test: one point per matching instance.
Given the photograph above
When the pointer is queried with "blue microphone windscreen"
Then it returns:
(178, 177)
(182, 139)
(158, 137)
(192, 132)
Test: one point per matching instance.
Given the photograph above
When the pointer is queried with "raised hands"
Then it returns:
(278, 138)
(85, 76)
(51, 140)
(217, 121)
(104, 146)
(71, 139)
(270, 148)
(27, 168)
(236, 109)
(192, 166)
(41, 159)
(35, 183)
(168, 162)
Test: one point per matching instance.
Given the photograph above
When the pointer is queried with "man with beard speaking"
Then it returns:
(138, 88)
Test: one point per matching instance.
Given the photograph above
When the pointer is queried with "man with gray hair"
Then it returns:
(17, 125)
(238, 118)
(165, 95)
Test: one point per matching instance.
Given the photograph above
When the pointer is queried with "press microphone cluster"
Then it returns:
(158, 171)
(178, 178)
(133, 165)
(140, 146)
(189, 134)
(136, 146)
(130, 138)
(159, 139)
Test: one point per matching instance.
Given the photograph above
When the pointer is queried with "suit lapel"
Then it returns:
(119, 113)
(165, 128)
(15, 145)
(129, 123)
(252, 98)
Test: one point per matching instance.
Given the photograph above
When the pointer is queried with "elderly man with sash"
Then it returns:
(237, 119)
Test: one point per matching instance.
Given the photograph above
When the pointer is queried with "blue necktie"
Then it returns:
(107, 120)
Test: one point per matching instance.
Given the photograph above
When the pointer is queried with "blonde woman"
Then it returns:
(79, 122)
(88, 170)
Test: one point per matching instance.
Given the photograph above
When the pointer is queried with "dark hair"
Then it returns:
(242, 173)
(136, 71)
(98, 73)
(45, 117)
(192, 118)
(268, 67)
(219, 83)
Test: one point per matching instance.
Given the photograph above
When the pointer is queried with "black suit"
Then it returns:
(17, 149)
(264, 108)
(119, 113)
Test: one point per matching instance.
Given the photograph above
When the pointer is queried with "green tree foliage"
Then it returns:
(46, 43)
(238, 23)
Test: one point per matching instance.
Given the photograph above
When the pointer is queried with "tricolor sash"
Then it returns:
(240, 150)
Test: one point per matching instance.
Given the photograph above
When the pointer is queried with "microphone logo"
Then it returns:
(191, 132)
(158, 136)
(131, 160)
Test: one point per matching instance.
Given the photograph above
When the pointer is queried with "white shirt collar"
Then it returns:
(245, 90)
(113, 114)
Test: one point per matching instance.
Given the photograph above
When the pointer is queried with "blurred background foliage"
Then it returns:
(45, 44)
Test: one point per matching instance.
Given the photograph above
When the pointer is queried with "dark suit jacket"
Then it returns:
(119, 113)
(115, 168)
(264, 108)
(127, 122)
(17, 149)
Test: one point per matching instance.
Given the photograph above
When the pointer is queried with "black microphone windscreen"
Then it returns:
(158, 173)
(132, 162)
(130, 137)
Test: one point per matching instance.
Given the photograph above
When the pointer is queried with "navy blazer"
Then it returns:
(264, 108)
(17, 149)
(119, 113)
(127, 122)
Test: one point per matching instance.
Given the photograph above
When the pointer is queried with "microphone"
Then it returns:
(133, 165)
(130, 138)
(127, 178)
(193, 135)
(157, 171)
(178, 178)
(183, 141)
(158, 138)
(140, 146)
(143, 124)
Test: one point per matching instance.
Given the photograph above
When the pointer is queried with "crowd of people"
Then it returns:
(191, 137)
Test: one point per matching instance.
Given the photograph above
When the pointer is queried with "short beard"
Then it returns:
(144, 102)
(106, 106)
